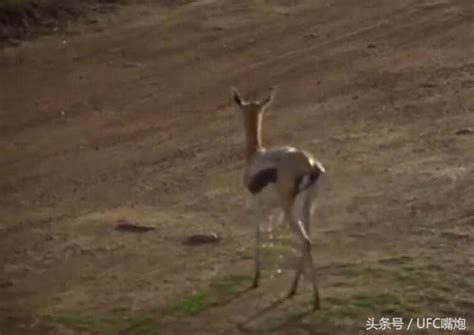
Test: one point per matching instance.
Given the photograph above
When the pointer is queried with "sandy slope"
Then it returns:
(134, 121)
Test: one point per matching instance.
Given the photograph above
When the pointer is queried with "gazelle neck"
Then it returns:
(253, 137)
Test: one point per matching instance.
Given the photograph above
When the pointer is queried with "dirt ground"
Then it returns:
(128, 117)
(27, 19)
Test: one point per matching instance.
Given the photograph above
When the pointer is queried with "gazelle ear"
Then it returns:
(269, 99)
(236, 96)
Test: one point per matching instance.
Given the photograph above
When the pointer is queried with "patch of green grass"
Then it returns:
(341, 312)
(142, 326)
(364, 303)
(15, 5)
(394, 287)
(228, 287)
(190, 305)
(403, 272)
(219, 291)
(395, 304)
(69, 319)
(412, 282)
(400, 260)
(336, 309)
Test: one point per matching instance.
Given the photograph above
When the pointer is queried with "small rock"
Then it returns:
(465, 131)
(199, 239)
(131, 65)
(427, 85)
(84, 251)
(51, 238)
(130, 227)
(455, 235)
(357, 235)
(103, 249)
(15, 42)
(371, 46)
(6, 283)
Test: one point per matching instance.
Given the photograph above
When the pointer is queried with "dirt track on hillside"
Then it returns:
(133, 121)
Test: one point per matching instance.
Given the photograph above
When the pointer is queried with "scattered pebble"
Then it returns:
(465, 131)
(199, 239)
(15, 42)
(6, 283)
(131, 65)
(455, 235)
(427, 85)
(131, 227)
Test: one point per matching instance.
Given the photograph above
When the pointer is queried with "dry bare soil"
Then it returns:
(128, 118)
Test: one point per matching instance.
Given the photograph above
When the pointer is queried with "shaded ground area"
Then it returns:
(28, 18)
(132, 123)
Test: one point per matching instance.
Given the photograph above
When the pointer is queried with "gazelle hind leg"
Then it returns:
(300, 229)
(299, 270)
(309, 259)
(306, 224)
(306, 257)
(307, 209)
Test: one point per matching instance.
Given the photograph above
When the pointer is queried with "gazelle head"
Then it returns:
(251, 112)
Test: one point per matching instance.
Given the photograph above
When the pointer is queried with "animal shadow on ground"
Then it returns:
(245, 327)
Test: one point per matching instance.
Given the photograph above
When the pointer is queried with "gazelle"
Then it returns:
(287, 175)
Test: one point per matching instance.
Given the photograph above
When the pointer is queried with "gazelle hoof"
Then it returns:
(255, 283)
(316, 305)
(256, 279)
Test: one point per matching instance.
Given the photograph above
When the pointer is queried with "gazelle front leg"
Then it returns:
(261, 215)
(258, 255)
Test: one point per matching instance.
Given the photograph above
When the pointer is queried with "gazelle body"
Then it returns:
(286, 174)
